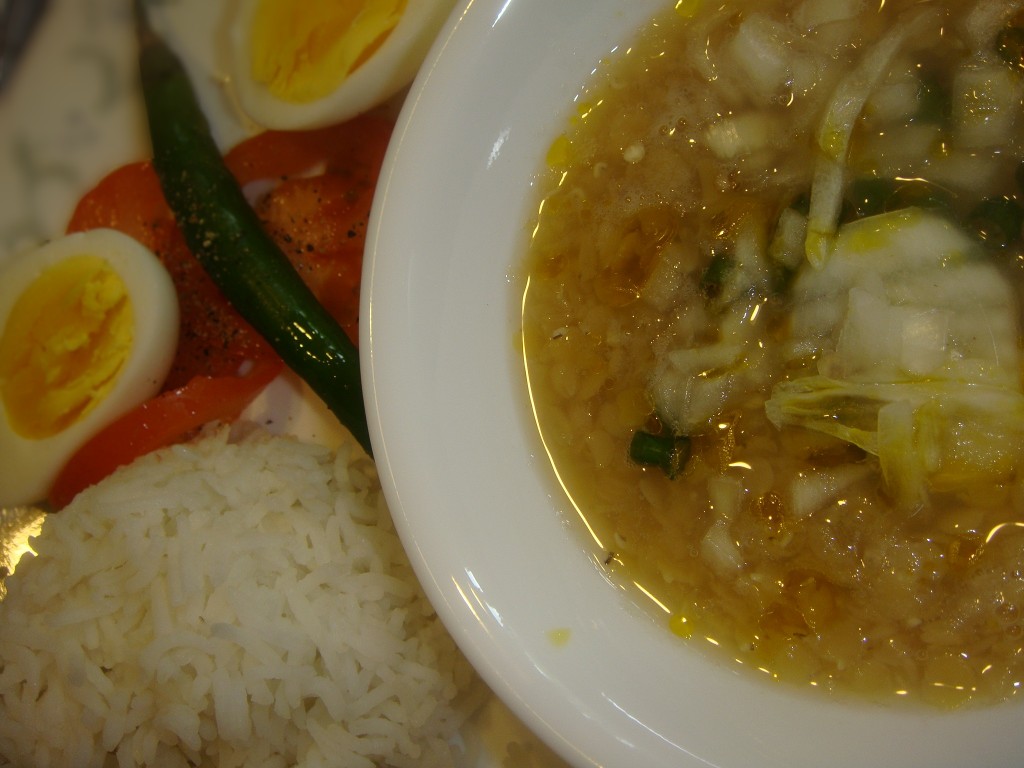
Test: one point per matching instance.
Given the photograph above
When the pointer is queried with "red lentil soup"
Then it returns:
(772, 335)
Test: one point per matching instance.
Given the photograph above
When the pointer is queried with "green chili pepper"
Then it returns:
(227, 238)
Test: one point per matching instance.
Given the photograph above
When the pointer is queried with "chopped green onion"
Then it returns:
(934, 104)
(801, 203)
(669, 452)
(713, 279)
(997, 221)
(871, 196)
(1010, 45)
(868, 197)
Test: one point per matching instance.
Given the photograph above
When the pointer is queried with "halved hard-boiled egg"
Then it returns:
(88, 330)
(313, 63)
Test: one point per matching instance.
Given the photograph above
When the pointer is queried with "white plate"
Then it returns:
(497, 547)
(71, 115)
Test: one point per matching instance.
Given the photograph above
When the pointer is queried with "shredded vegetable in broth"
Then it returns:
(772, 330)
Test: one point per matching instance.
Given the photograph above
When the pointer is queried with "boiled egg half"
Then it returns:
(313, 63)
(88, 330)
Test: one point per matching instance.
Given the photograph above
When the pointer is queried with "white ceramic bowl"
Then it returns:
(498, 549)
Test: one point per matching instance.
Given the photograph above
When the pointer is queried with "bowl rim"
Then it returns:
(442, 385)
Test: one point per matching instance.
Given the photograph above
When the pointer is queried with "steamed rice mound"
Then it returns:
(226, 604)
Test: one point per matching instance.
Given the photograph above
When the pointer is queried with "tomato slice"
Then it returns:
(170, 417)
(313, 191)
(353, 149)
(213, 339)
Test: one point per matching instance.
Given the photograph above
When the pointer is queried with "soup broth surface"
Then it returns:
(781, 242)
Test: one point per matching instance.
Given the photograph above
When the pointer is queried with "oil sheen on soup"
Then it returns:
(772, 334)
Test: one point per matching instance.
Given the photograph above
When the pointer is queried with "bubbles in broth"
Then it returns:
(772, 333)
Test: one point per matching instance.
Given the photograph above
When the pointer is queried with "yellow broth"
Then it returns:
(785, 548)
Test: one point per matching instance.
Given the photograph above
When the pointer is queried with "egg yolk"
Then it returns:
(301, 51)
(66, 340)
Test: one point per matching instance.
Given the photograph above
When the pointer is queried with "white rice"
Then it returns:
(226, 604)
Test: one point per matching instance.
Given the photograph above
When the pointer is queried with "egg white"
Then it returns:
(28, 467)
(392, 67)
